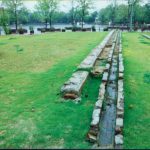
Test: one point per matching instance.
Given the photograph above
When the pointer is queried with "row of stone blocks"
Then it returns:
(72, 88)
(146, 36)
(120, 102)
(94, 126)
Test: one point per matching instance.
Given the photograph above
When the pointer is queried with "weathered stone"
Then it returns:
(120, 56)
(99, 103)
(70, 96)
(121, 67)
(97, 70)
(102, 90)
(95, 117)
(91, 138)
(118, 139)
(120, 106)
(109, 60)
(120, 95)
(119, 122)
(120, 101)
(93, 130)
(77, 100)
(118, 130)
(120, 113)
(105, 77)
(72, 88)
(120, 48)
(107, 67)
(121, 75)
(120, 85)
(89, 61)
(146, 36)
(95, 121)
(96, 113)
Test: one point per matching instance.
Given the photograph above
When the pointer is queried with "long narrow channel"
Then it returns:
(108, 116)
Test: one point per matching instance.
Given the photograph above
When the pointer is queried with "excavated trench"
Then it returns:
(101, 61)
(105, 62)
(108, 119)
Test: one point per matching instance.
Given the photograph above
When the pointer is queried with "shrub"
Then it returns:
(105, 29)
(93, 28)
(83, 30)
(63, 30)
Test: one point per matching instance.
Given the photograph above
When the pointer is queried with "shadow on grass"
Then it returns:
(144, 42)
(147, 77)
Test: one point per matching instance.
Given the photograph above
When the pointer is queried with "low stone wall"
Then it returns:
(89, 61)
(120, 103)
(72, 88)
(146, 36)
(94, 126)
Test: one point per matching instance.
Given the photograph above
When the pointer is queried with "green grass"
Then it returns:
(148, 33)
(33, 69)
(137, 90)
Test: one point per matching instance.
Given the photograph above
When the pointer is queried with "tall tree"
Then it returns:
(113, 11)
(146, 12)
(4, 20)
(24, 14)
(84, 6)
(131, 7)
(47, 9)
(13, 6)
(73, 12)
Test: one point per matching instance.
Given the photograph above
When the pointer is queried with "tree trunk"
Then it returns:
(16, 21)
(72, 19)
(46, 23)
(50, 22)
(16, 24)
(82, 21)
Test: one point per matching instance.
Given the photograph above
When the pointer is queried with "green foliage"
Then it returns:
(122, 14)
(24, 15)
(61, 17)
(83, 9)
(141, 14)
(93, 28)
(13, 7)
(46, 9)
(4, 21)
(147, 14)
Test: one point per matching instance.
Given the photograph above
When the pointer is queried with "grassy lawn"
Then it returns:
(148, 33)
(32, 71)
(137, 90)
